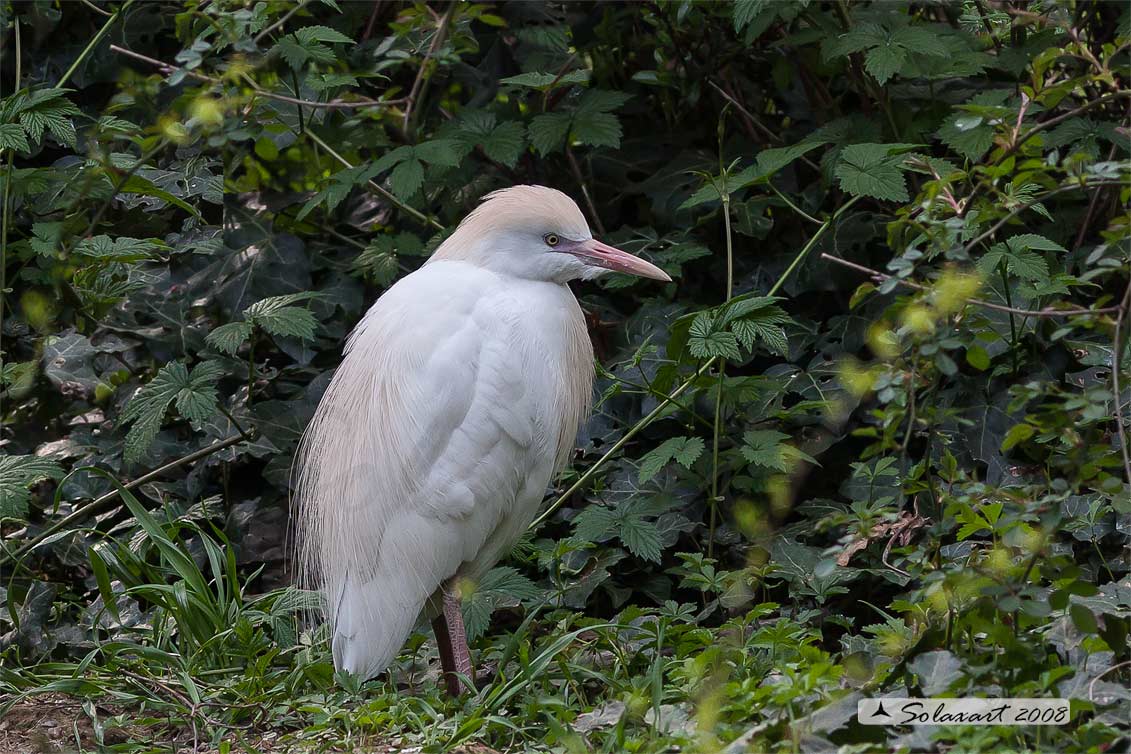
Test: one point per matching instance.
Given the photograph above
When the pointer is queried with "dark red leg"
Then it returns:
(455, 657)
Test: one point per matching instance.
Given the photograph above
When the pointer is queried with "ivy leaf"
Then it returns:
(870, 170)
(684, 450)
(17, 473)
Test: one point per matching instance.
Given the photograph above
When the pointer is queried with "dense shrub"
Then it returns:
(871, 440)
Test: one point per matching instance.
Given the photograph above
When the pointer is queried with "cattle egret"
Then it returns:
(457, 400)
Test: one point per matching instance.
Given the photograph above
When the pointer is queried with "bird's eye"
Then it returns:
(551, 239)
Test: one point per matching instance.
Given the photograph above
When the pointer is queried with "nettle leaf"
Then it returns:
(684, 450)
(768, 449)
(716, 186)
(47, 238)
(884, 61)
(229, 337)
(120, 249)
(640, 536)
(500, 587)
(1019, 258)
(746, 11)
(277, 316)
(407, 178)
(548, 131)
(503, 142)
(593, 123)
(306, 45)
(595, 524)
(17, 473)
(12, 137)
(772, 160)
(545, 82)
(705, 342)
(194, 394)
(871, 170)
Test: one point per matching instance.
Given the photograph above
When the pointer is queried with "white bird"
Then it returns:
(458, 399)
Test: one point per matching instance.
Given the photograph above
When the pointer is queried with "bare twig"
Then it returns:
(1036, 200)
(573, 166)
(334, 104)
(101, 503)
(986, 23)
(96, 9)
(418, 85)
(671, 397)
(1047, 312)
(755, 121)
(1083, 232)
(1043, 126)
(1115, 367)
(388, 196)
(1113, 668)
(93, 42)
(279, 24)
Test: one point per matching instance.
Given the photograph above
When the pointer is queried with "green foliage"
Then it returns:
(804, 482)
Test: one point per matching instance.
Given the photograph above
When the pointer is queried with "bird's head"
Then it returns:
(537, 233)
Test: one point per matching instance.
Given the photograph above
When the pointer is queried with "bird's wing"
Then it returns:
(419, 447)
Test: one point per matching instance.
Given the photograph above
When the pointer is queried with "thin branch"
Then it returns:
(671, 397)
(1036, 200)
(388, 196)
(279, 24)
(93, 43)
(1043, 126)
(761, 127)
(573, 166)
(334, 104)
(1115, 367)
(418, 85)
(1083, 232)
(881, 277)
(96, 9)
(102, 503)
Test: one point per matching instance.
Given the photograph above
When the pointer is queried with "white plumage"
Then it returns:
(458, 398)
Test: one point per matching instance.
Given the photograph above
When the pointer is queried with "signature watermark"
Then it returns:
(962, 711)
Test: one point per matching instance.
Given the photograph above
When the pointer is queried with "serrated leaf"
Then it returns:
(884, 61)
(17, 473)
(705, 343)
(597, 129)
(640, 536)
(764, 447)
(868, 170)
(146, 409)
(309, 34)
(505, 143)
(745, 11)
(546, 81)
(594, 524)
(229, 337)
(684, 450)
(12, 137)
(407, 178)
(437, 152)
(548, 131)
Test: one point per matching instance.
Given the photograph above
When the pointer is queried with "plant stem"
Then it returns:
(670, 398)
(1012, 321)
(4, 208)
(373, 185)
(92, 44)
(100, 504)
(1115, 367)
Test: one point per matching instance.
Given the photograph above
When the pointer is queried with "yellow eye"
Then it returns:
(551, 239)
